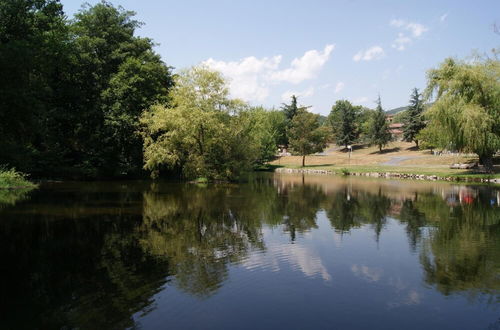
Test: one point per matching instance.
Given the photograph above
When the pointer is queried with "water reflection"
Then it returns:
(198, 231)
(9, 197)
(93, 255)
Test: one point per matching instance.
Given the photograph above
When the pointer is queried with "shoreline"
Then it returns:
(391, 175)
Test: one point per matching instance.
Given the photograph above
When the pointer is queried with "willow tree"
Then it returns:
(203, 133)
(467, 106)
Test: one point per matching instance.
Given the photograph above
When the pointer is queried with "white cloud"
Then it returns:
(305, 93)
(443, 17)
(339, 87)
(305, 67)
(296, 256)
(416, 29)
(370, 274)
(251, 78)
(372, 53)
(401, 42)
(245, 76)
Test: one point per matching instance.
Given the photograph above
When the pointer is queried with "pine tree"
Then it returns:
(291, 109)
(379, 132)
(414, 122)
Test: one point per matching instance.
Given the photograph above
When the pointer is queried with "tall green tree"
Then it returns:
(307, 136)
(120, 76)
(466, 111)
(72, 92)
(268, 129)
(379, 129)
(343, 120)
(290, 111)
(413, 121)
(203, 133)
(34, 48)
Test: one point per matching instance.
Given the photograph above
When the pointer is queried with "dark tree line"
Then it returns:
(72, 91)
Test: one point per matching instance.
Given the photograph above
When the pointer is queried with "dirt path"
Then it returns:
(397, 160)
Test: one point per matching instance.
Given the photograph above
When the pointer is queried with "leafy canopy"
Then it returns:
(343, 119)
(466, 112)
(307, 136)
(205, 133)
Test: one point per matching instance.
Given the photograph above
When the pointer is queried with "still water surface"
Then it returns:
(282, 251)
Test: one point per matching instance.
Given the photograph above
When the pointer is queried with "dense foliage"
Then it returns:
(307, 135)
(466, 113)
(71, 92)
(10, 178)
(343, 119)
(205, 133)
(89, 98)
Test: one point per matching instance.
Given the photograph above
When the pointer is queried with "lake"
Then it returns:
(281, 251)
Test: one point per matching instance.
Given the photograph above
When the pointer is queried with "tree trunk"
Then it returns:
(380, 147)
(416, 142)
(487, 162)
(303, 160)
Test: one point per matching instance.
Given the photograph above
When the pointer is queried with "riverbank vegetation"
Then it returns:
(14, 186)
(12, 179)
(88, 98)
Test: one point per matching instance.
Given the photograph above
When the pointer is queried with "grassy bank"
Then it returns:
(397, 158)
(11, 179)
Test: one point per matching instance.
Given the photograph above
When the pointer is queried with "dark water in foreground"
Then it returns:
(293, 252)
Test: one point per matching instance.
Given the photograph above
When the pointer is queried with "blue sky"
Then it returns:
(320, 50)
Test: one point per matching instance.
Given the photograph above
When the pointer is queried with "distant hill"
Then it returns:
(400, 109)
(396, 110)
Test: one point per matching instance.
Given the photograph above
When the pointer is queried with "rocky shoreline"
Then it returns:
(389, 175)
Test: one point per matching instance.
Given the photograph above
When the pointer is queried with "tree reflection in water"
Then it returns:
(93, 255)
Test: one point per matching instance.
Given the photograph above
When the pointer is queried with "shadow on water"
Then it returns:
(93, 255)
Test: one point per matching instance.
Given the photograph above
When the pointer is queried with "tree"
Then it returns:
(467, 106)
(203, 134)
(268, 129)
(306, 134)
(343, 120)
(120, 76)
(379, 129)
(72, 92)
(290, 111)
(413, 121)
(34, 44)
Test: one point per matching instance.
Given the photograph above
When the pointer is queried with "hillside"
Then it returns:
(396, 110)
